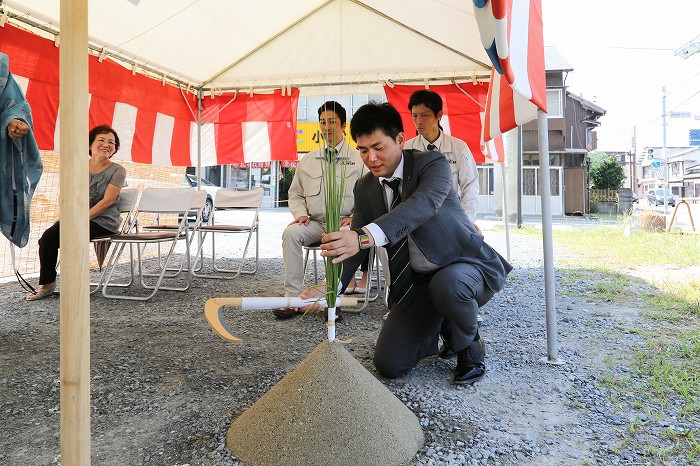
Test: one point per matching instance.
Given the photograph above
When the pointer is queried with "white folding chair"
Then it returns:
(199, 199)
(127, 202)
(246, 205)
(374, 271)
(160, 202)
(374, 274)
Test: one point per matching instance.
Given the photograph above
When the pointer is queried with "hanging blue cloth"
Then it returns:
(20, 161)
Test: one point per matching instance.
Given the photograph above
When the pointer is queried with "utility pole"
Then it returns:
(665, 155)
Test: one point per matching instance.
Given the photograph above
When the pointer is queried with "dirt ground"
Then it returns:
(165, 388)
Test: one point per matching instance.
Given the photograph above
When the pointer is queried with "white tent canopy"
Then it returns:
(272, 43)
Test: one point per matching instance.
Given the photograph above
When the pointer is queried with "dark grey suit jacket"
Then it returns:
(431, 213)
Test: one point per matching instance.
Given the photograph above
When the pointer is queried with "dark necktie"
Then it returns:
(401, 290)
(432, 147)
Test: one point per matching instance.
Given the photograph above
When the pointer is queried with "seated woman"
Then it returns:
(106, 181)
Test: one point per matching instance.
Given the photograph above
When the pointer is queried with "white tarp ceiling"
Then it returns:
(275, 43)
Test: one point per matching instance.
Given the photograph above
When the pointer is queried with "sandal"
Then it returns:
(41, 293)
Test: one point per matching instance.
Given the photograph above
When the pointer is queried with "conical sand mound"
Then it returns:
(328, 411)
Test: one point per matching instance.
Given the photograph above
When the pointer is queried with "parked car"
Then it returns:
(211, 190)
(655, 197)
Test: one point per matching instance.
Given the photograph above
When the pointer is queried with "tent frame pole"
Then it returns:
(198, 168)
(506, 215)
(547, 243)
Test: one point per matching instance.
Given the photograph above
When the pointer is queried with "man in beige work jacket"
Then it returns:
(307, 200)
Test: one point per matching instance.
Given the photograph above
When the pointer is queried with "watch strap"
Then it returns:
(362, 238)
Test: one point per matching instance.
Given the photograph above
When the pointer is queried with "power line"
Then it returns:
(674, 108)
(656, 101)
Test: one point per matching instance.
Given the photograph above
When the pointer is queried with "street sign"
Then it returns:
(694, 136)
(680, 114)
(655, 164)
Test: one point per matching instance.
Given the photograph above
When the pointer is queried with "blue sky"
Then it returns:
(622, 52)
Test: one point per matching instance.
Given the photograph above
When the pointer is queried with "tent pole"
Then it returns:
(519, 180)
(547, 245)
(506, 218)
(198, 168)
(74, 244)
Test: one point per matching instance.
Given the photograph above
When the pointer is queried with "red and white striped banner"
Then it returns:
(511, 32)
(245, 129)
(154, 119)
(462, 110)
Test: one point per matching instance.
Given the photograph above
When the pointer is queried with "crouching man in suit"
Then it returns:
(440, 266)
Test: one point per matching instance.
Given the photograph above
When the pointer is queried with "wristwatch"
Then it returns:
(362, 238)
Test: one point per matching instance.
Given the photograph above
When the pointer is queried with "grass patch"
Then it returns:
(674, 300)
(671, 371)
(663, 373)
(609, 245)
(599, 285)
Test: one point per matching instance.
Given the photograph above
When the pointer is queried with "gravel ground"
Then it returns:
(165, 388)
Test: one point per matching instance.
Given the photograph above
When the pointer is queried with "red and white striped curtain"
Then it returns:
(155, 120)
(462, 107)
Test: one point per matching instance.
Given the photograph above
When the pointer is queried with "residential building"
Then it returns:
(571, 121)
(683, 170)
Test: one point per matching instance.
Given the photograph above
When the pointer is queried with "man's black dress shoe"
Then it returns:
(286, 312)
(470, 363)
(447, 352)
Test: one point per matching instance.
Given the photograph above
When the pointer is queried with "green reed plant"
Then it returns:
(333, 178)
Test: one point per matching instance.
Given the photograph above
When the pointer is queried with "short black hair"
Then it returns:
(104, 129)
(373, 116)
(334, 107)
(430, 99)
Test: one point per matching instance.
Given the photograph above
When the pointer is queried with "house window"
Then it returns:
(555, 107)
(531, 182)
(485, 180)
(358, 100)
(302, 109)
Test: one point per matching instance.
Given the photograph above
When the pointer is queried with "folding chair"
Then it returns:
(313, 249)
(374, 273)
(199, 199)
(373, 262)
(127, 202)
(155, 201)
(248, 201)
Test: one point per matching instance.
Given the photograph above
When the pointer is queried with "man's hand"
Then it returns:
(17, 129)
(303, 220)
(315, 292)
(340, 245)
(345, 222)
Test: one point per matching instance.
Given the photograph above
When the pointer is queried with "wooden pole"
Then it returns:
(75, 296)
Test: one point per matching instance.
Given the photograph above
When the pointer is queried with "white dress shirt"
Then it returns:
(464, 172)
